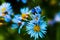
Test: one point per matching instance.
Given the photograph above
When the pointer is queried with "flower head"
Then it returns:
(6, 8)
(36, 27)
(6, 11)
(25, 13)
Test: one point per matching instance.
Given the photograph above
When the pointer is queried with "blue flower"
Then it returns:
(17, 23)
(57, 17)
(6, 7)
(36, 28)
(25, 13)
(6, 11)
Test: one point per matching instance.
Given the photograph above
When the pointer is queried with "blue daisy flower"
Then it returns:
(24, 13)
(36, 28)
(17, 23)
(6, 7)
(6, 11)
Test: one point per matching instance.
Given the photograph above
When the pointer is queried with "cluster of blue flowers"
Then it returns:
(35, 27)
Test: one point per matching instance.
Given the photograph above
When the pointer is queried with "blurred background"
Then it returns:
(49, 9)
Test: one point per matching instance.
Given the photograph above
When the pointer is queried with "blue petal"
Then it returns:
(33, 10)
(43, 31)
(7, 18)
(30, 31)
(33, 34)
(38, 9)
(19, 30)
(36, 35)
(16, 19)
(41, 35)
(24, 10)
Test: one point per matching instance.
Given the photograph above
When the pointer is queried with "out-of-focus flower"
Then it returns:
(51, 22)
(24, 13)
(57, 17)
(36, 28)
(6, 11)
(17, 23)
(6, 8)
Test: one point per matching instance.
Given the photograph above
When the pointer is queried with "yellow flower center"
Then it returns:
(24, 16)
(3, 9)
(36, 18)
(36, 28)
